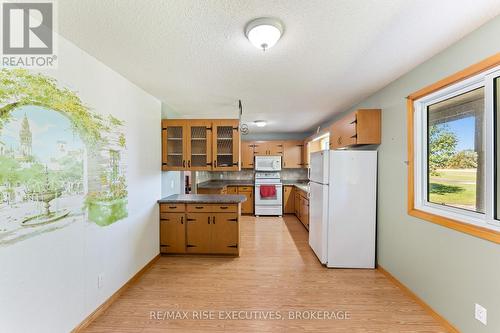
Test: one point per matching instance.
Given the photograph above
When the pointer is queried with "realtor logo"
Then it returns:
(28, 34)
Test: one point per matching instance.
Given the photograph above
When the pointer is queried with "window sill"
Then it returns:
(480, 232)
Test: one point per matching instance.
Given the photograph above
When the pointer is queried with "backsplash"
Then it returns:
(286, 174)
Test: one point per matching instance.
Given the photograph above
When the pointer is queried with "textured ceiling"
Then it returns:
(193, 55)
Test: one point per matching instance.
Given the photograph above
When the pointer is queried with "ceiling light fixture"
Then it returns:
(260, 123)
(264, 32)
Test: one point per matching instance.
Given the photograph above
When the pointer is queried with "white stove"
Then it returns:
(268, 205)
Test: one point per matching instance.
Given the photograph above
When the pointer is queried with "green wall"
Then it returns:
(449, 270)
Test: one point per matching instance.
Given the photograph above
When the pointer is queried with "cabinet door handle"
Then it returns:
(189, 163)
(182, 219)
(213, 219)
(209, 220)
(183, 163)
(215, 163)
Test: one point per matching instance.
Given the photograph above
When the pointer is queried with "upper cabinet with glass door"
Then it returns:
(199, 146)
(226, 145)
(174, 152)
(193, 144)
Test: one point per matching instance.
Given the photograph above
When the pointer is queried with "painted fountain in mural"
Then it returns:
(60, 162)
(45, 194)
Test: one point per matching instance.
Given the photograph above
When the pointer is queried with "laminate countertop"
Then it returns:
(204, 199)
(300, 184)
(219, 184)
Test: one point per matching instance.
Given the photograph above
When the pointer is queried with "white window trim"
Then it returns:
(486, 220)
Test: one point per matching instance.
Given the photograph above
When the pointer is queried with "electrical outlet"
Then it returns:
(100, 281)
(481, 314)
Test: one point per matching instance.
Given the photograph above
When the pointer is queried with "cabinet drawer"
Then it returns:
(213, 208)
(245, 189)
(169, 208)
(232, 190)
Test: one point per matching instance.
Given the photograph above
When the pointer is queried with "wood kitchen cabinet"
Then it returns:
(186, 145)
(226, 145)
(275, 148)
(272, 148)
(247, 154)
(293, 152)
(247, 206)
(232, 190)
(172, 233)
(301, 207)
(224, 234)
(212, 232)
(296, 203)
(174, 137)
(361, 127)
(288, 199)
(261, 148)
(304, 211)
(196, 145)
(199, 145)
(200, 228)
(222, 190)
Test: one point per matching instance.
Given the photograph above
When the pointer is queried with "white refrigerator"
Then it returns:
(343, 208)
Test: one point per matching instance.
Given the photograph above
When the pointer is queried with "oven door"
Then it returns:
(275, 200)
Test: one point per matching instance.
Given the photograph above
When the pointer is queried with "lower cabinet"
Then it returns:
(198, 232)
(222, 190)
(212, 230)
(247, 206)
(232, 190)
(288, 199)
(215, 233)
(172, 233)
(304, 212)
(301, 207)
(296, 204)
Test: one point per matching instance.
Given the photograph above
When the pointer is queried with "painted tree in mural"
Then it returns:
(104, 185)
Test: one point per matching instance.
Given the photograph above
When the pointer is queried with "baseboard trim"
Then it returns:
(104, 306)
(412, 295)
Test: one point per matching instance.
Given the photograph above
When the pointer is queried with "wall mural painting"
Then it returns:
(60, 163)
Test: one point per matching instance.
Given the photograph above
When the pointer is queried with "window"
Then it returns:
(454, 163)
(497, 145)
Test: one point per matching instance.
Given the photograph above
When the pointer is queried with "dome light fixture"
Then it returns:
(264, 32)
(260, 123)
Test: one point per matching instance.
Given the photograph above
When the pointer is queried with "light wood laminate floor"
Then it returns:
(276, 272)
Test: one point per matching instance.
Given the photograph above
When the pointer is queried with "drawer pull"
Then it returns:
(172, 207)
(233, 220)
(198, 207)
(233, 246)
(189, 220)
(224, 207)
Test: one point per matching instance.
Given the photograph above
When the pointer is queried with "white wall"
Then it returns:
(48, 283)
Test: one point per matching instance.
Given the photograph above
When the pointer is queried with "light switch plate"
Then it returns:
(481, 314)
